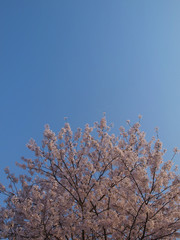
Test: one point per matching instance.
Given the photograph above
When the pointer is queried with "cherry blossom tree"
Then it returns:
(93, 185)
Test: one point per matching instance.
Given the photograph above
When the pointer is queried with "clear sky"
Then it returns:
(78, 59)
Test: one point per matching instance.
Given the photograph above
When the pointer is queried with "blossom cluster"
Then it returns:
(93, 185)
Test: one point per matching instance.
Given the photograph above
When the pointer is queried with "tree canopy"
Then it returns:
(93, 185)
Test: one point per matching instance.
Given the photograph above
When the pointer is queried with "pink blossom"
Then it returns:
(93, 185)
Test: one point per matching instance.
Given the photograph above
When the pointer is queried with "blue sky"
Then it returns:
(78, 59)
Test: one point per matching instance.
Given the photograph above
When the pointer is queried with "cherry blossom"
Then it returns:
(92, 184)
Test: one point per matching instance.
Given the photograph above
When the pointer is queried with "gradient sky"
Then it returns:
(78, 59)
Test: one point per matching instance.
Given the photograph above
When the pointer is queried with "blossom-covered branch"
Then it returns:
(93, 185)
